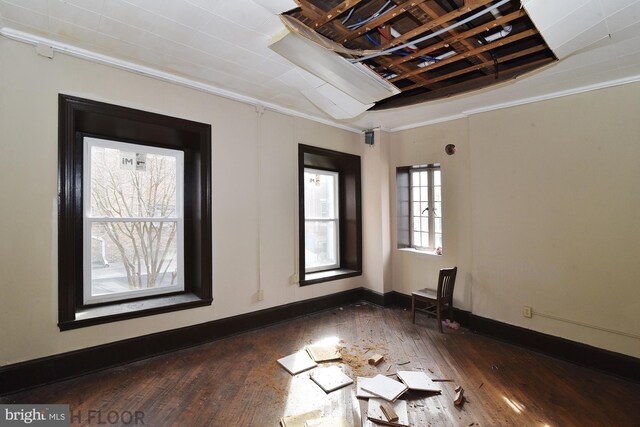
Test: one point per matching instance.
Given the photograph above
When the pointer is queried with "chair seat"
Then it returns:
(425, 293)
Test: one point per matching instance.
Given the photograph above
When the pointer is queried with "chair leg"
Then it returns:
(413, 309)
(438, 312)
(451, 311)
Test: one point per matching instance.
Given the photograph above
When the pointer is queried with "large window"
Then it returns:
(321, 220)
(133, 221)
(330, 215)
(134, 230)
(419, 207)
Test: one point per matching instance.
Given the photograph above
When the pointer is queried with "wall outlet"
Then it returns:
(527, 311)
(260, 295)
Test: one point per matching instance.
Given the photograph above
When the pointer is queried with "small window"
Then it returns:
(321, 219)
(419, 207)
(133, 219)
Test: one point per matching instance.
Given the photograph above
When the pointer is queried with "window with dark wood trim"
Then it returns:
(81, 118)
(348, 170)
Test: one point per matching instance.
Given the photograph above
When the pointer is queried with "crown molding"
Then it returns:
(99, 58)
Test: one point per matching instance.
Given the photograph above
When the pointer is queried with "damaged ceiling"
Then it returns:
(223, 47)
(432, 49)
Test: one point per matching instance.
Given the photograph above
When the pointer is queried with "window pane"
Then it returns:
(437, 196)
(416, 209)
(132, 184)
(417, 221)
(424, 178)
(438, 238)
(416, 194)
(424, 224)
(425, 240)
(416, 239)
(133, 256)
(438, 225)
(438, 209)
(436, 177)
(320, 244)
(415, 179)
(320, 194)
(424, 194)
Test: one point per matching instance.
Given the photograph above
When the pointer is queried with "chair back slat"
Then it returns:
(446, 282)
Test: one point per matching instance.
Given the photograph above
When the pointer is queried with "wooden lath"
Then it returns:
(498, 43)
(468, 7)
(475, 67)
(459, 37)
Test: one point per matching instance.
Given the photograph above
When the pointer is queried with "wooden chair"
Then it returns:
(436, 300)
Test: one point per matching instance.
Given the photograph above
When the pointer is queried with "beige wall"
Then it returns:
(425, 145)
(552, 193)
(246, 169)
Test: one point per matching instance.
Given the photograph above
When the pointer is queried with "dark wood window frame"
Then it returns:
(80, 117)
(350, 193)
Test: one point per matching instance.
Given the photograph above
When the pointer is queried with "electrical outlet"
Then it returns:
(527, 311)
(260, 295)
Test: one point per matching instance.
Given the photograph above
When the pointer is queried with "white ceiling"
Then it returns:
(221, 46)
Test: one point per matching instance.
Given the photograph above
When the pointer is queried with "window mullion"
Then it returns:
(432, 211)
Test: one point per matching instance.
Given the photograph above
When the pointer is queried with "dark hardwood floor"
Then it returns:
(237, 382)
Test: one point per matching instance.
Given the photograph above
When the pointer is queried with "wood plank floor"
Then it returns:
(237, 382)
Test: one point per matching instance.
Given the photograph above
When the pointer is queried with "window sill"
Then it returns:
(89, 316)
(329, 275)
(416, 251)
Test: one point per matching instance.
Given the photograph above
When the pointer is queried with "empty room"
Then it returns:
(320, 213)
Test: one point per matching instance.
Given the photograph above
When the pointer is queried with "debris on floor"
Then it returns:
(451, 324)
(324, 352)
(376, 359)
(330, 378)
(385, 387)
(376, 414)
(417, 381)
(299, 420)
(297, 362)
(459, 400)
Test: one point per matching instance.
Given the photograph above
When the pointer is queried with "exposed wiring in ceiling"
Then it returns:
(380, 11)
(434, 34)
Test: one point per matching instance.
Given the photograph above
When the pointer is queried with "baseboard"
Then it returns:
(37, 372)
(618, 364)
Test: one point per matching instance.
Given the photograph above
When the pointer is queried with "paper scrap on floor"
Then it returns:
(416, 380)
(385, 387)
(330, 378)
(297, 362)
(324, 352)
(375, 414)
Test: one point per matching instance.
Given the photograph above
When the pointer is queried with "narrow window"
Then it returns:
(321, 219)
(330, 215)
